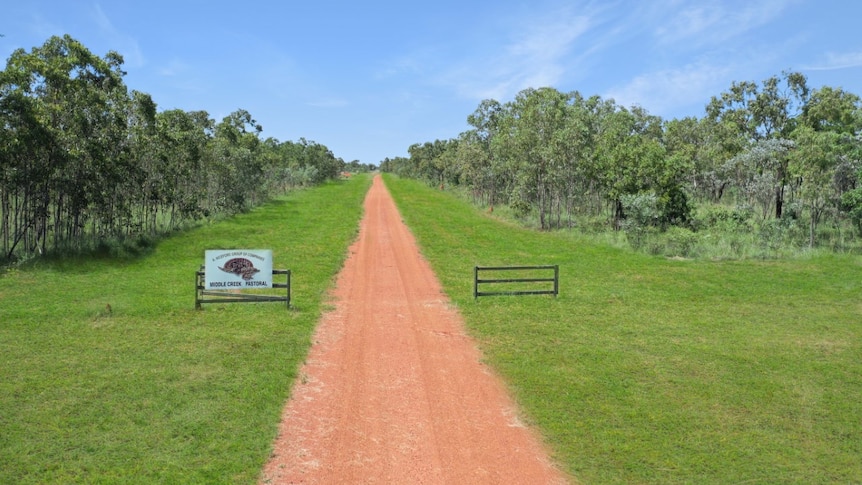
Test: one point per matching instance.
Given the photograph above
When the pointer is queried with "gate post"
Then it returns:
(475, 282)
(556, 279)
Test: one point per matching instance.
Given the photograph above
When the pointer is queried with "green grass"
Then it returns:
(650, 370)
(154, 391)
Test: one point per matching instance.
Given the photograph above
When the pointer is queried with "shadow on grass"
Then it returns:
(116, 252)
(120, 251)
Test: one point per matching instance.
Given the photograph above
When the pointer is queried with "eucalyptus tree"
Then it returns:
(356, 166)
(236, 175)
(291, 169)
(428, 162)
(82, 159)
(534, 146)
(110, 150)
(833, 109)
(698, 148)
(851, 203)
(75, 110)
(275, 165)
(319, 157)
(479, 157)
(630, 157)
(304, 162)
(765, 112)
(24, 141)
(760, 172)
(579, 140)
(828, 154)
(473, 160)
(400, 166)
(183, 140)
(546, 152)
(143, 186)
(813, 164)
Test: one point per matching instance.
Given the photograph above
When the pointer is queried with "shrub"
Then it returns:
(641, 214)
(851, 202)
(674, 208)
(680, 241)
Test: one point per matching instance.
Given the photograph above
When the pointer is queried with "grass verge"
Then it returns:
(650, 370)
(149, 390)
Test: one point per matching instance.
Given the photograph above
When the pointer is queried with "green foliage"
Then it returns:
(674, 207)
(560, 157)
(83, 160)
(650, 370)
(725, 218)
(681, 242)
(852, 204)
(775, 234)
(109, 375)
(642, 216)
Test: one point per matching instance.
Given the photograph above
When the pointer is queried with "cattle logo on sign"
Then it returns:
(241, 267)
(236, 269)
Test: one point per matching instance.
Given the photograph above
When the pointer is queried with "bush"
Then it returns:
(680, 241)
(851, 202)
(777, 235)
(674, 207)
(725, 218)
(641, 215)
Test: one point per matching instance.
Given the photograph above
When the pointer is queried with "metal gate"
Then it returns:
(529, 275)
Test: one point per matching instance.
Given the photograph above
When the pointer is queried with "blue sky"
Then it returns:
(368, 79)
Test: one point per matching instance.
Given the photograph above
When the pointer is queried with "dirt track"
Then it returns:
(393, 390)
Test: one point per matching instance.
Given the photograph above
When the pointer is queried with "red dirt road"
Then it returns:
(393, 390)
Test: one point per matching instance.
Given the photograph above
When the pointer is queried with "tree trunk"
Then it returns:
(619, 214)
(812, 227)
(779, 201)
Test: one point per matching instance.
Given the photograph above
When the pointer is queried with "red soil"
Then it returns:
(393, 390)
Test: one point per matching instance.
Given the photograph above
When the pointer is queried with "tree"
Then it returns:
(776, 146)
(75, 102)
(478, 164)
(183, 138)
(82, 160)
(536, 148)
(700, 148)
(237, 176)
(766, 112)
(813, 165)
(427, 161)
(760, 171)
(630, 157)
(827, 151)
(23, 142)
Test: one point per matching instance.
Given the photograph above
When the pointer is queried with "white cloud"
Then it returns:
(534, 57)
(126, 45)
(694, 23)
(689, 23)
(174, 68)
(667, 91)
(833, 61)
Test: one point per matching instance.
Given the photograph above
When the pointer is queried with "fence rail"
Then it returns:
(202, 295)
(555, 280)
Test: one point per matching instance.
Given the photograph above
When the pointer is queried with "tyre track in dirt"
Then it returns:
(393, 389)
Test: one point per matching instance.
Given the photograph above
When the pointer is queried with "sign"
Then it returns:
(238, 269)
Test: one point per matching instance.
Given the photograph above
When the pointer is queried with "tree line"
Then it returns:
(83, 159)
(773, 150)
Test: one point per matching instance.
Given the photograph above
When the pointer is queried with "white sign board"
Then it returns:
(237, 269)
